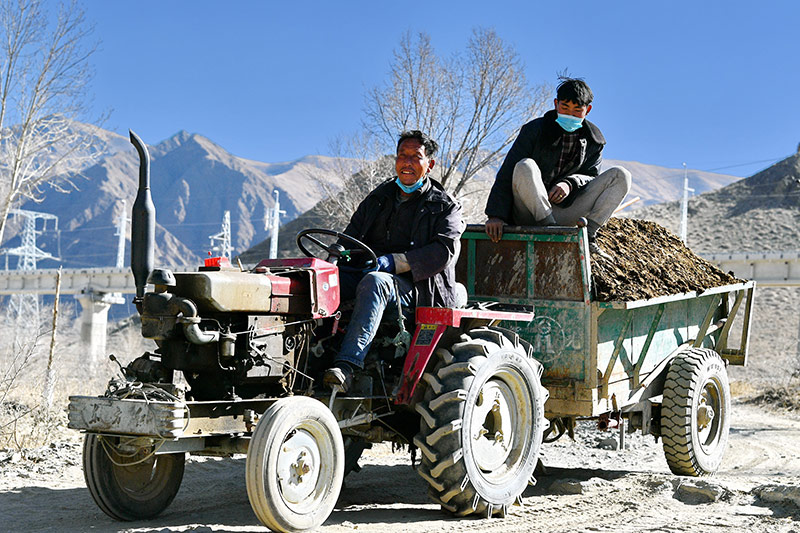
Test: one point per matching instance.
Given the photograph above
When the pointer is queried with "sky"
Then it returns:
(707, 83)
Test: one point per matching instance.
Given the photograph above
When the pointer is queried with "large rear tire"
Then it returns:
(130, 486)
(482, 421)
(695, 412)
(295, 465)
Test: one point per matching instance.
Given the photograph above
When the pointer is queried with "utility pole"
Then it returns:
(224, 237)
(273, 223)
(122, 221)
(685, 205)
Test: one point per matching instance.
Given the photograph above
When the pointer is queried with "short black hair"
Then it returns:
(574, 90)
(424, 139)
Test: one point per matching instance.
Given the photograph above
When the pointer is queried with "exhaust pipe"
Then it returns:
(143, 224)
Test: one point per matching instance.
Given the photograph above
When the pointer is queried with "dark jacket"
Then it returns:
(433, 239)
(539, 140)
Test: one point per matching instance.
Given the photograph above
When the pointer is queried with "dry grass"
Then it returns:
(742, 389)
(781, 397)
(25, 419)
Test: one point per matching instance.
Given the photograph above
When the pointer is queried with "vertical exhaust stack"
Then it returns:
(143, 223)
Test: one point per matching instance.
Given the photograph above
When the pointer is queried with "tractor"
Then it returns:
(238, 370)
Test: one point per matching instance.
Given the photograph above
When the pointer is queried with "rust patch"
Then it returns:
(557, 271)
(500, 269)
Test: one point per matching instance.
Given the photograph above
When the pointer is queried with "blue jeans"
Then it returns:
(375, 298)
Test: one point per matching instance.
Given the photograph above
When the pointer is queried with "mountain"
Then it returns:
(760, 213)
(655, 184)
(193, 182)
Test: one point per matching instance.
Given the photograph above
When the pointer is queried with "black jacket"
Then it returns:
(539, 140)
(433, 239)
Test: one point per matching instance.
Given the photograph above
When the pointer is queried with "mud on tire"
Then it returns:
(482, 420)
(695, 413)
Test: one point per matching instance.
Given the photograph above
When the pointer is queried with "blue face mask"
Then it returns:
(569, 123)
(408, 189)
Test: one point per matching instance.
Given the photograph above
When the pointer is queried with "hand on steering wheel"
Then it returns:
(336, 252)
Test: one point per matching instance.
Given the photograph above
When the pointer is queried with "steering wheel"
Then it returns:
(336, 250)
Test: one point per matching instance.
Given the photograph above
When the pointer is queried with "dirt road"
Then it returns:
(586, 488)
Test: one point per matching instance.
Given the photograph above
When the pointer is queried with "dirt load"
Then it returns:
(647, 261)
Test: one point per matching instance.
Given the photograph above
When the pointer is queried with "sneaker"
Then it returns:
(340, 376)
(597, 252)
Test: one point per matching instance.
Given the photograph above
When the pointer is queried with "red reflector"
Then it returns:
(217, 262)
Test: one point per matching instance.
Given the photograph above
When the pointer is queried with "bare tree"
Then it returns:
(473, 104)
(44, 70)
(361, 167)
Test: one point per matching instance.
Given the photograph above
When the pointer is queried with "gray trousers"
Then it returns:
(597, 200)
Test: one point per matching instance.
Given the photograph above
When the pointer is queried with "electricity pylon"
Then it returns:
(223, 237)
(26, 306)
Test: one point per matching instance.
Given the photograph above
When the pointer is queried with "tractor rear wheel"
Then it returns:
(481, 424)
(295, 465)
(695, 412)
(130, 485)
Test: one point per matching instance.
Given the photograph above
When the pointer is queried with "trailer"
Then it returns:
(658, 365)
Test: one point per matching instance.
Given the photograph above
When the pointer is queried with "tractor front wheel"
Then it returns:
(481, 424)
(695, 413)
(295, 465)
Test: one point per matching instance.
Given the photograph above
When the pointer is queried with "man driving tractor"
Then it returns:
(414, 227)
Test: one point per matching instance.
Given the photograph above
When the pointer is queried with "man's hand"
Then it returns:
(559, 192)
(494, 228)
(386, 263)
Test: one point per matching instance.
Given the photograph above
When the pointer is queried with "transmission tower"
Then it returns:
(26, 306)
(223, 237)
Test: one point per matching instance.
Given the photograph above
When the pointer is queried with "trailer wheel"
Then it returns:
(130, 486)
(295, 465)
(695, 413)
(482, 420)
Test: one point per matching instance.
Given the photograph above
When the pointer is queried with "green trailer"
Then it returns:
(657, 364)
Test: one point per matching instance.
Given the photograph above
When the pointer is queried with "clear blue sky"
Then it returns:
(710, 83)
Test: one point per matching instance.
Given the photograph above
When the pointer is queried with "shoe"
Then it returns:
(340, 376)
(597, 252)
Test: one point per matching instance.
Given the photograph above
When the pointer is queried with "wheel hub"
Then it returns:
(493, 423)
(705, 415)
(298, 466)
(708, 423)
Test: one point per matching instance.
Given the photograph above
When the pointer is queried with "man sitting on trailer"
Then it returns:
(551, 175)
(414, 227)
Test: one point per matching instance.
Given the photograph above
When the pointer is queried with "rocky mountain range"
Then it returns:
(760, 213)
(194, 181)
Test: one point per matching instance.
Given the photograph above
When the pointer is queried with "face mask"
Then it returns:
(569, 123)
(408, 189)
